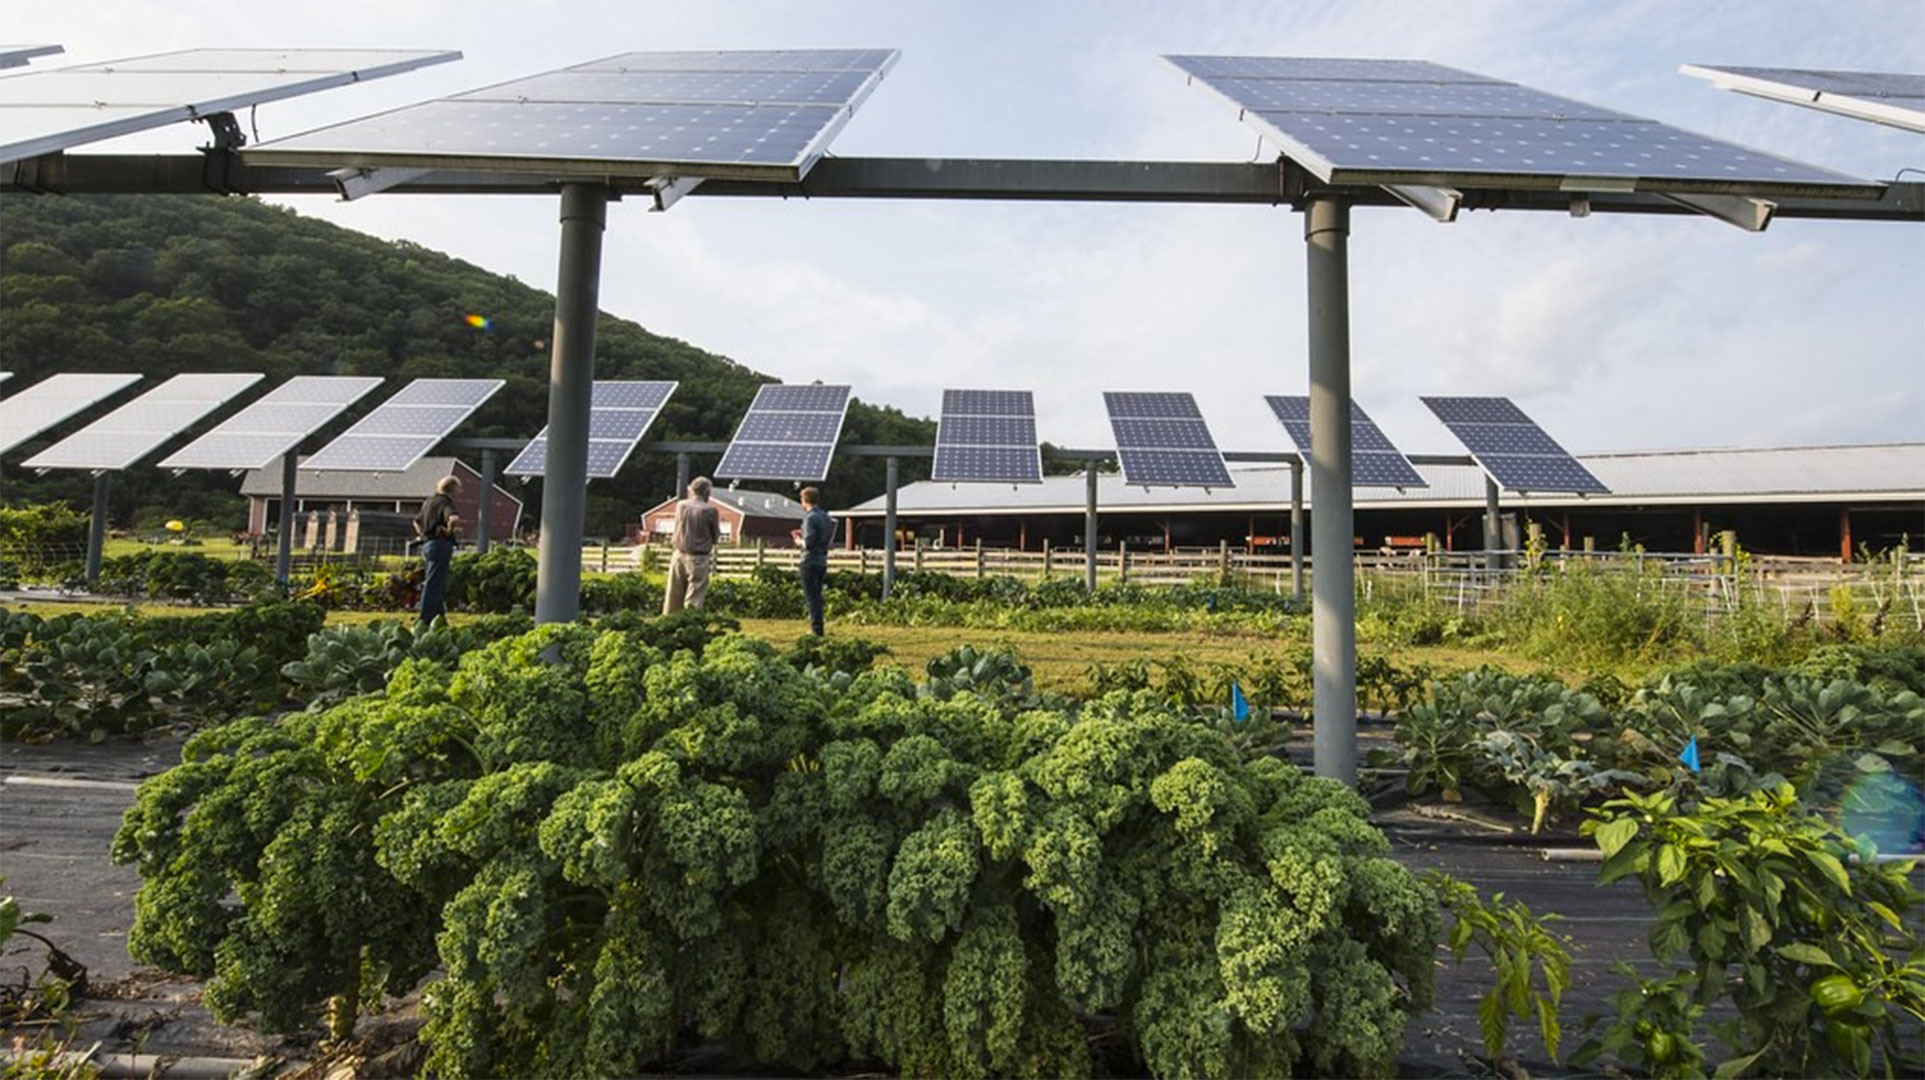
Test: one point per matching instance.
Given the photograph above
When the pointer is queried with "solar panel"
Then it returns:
(51, 400)
(53, 109)
(1374, 461)
(1510, 446)
(1879, 96)
(404, 427)
(1411, 122)
(789, 433)
(126, 435)
(747, 115)
(1161, 439)
(987, 436)
(273, 425)
(619, 413)
(18, 55)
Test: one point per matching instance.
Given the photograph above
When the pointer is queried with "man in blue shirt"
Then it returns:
(817, 530)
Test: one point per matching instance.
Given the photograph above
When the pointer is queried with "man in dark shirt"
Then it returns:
(439, 527)
(817, 530)
(698, 526)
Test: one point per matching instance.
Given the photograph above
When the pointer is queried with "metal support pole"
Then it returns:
(284, 556)
(1493, 527)
(571, 376)
(1333, 576)
(97, 528)
(890, 477)
(1089, 529)
(681, 474)
(1296, 531)
(485, 513)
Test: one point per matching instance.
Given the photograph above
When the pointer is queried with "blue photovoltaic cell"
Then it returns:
(987, 436)
(775, 461)
(1162, 434)
(1161, 439)
(404, 427)
(789, 433)
(1374, 461)
(274, 424)
(1410, 122)
(987, 431)
(619, 413)
(796, 427)
(1179, 468)
(1510, 446)
(751, 115)
(988, 403)
(800, 398)
(957, 463)
(1131, 404)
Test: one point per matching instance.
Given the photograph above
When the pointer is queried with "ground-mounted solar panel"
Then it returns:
(1510, 446)
(1403, 122)
(46, 403)
(405, 427)
(20, 55)
(987, 436)
(619, 413)
(125, 436)
(756, 115)
(274, 424)
(1374, 461)
(1882, 97)
(50, 109)
(789, 433)
(1161, 440)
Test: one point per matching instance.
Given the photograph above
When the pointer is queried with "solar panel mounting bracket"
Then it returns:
(1747, 213)
(668, 190)
(355, 183)
(1441, 203)
(227, 130)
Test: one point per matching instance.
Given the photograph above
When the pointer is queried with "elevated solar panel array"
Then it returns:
(1161, 439)
(125, 436)
(53, 399)
(405, 427)
(987, 436)
(1882, 97)
(1412, 122)
(747, 115)
(1510, 446)
(789, 433)
(50, 109)
(1374, 462)
(619, 414)
(273, 425)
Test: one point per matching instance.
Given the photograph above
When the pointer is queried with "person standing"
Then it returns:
(439, 527)
(698, 526)
(817, 530)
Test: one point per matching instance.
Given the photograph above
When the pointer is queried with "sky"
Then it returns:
(1615, 332)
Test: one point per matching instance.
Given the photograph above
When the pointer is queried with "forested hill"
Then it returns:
(166, 284)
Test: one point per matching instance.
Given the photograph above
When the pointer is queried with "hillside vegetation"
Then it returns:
(168, 284)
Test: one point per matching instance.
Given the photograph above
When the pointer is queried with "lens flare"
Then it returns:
(479, 322)
(1883, 809)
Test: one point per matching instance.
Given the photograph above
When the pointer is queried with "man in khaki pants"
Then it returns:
(697, 528)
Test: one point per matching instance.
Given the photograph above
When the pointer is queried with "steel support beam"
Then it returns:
(485, 512)
(890, 479)
(1089, 527)
(1296, 530)
(1333, 569)
(284, 546)
(1493, 524)
(97, 528)
(682, 476)
(571, 379)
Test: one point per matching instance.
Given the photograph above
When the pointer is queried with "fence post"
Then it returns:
(862, 561)
(758, 553)
(604, 556)
(1223, 559)
(979, 559)
(916, 564)
(1123, 562)
(1048, 555)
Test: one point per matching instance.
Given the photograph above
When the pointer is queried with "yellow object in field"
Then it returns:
(176, 525)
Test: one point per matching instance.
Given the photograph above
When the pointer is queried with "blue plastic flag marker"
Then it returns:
(1690, 755)
(1239, 705)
